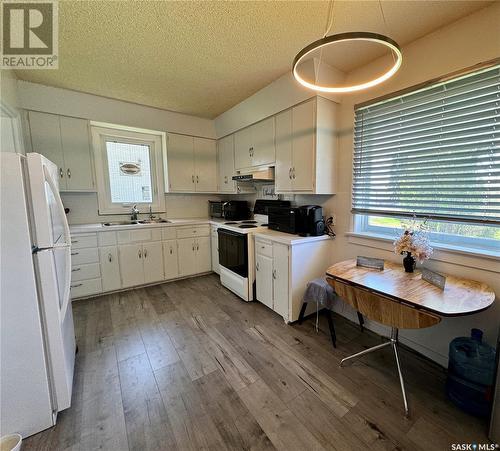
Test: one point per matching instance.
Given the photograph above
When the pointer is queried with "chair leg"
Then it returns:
(331, 326)
(361, 321)
(302, 312)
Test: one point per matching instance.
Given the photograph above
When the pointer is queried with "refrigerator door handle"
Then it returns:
(60, 206)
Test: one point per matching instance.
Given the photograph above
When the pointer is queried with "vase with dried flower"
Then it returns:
(414, 244)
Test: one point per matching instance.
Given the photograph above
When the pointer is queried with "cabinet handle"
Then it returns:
(293, 172)
(197, 179)
(171, 250)
(75, 253)
(145, 253)
(197, 247)
(225, 179)
(192, 178)
(257, 266)
(74, 241)
(290, 173)
(274, 274)
(76, 286)
(61, 173)
(139, 253)
(69, 173)
(75, 269)
(110, 258)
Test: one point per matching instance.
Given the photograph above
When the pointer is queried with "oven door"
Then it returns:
(233, 251)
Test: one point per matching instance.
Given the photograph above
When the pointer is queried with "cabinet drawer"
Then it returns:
(188, 232)
(82, 256)
(168, 233)
(106, 238)
(84, 272)
(83, 241)
(263, 248)
(86, 288)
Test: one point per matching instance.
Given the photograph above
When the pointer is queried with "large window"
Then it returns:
(129, 170)
(432, 153)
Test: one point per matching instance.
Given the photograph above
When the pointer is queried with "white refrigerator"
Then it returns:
(37, 340)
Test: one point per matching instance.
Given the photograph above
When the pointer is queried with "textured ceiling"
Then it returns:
(203, 57)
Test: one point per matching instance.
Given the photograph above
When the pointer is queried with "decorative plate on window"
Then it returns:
(130, 168)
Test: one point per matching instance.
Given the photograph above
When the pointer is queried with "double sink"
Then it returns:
(137, 222)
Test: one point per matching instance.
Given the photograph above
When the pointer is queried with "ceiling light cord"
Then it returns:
(387, 31)
(329, 19)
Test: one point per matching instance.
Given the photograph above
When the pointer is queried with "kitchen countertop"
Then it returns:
(98, 227)
(274, 235)
(288, 238)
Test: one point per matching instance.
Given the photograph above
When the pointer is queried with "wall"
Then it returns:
(38, 97)
(464, 43)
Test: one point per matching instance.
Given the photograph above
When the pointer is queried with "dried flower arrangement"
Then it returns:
(414, 242)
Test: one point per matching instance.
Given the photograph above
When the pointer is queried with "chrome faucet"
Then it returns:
(135, 212)
(151, 215)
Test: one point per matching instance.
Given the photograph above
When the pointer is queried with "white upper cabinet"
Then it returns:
(254, 145)
(66, 142)
(306, 148)
(192, 164)
(225, 164)
(205, 165)
(180, 162)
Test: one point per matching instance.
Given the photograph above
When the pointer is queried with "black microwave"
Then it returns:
(284, 219)
(233, 210)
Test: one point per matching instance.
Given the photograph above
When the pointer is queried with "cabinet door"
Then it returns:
(303, 151)
(45, 132)
(186, 250)
(131, 266)
(170, 263)
(180, 163)
(264, 150)
(152, 255)
(243, 148)
(110, 268)
(284, 151)
(203, 254)
(280, 276)
(205, 162)
(264, 279)
(225, 161)
(76, 150)
(214, 247)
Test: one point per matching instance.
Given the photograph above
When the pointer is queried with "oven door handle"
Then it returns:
(223, 209)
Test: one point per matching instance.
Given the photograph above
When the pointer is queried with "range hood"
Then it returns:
(257, 175)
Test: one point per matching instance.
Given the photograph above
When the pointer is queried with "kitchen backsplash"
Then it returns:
(83, 207)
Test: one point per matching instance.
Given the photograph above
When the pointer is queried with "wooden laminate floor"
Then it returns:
(189, 366)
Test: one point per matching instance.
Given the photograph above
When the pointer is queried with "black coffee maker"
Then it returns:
(311, 219)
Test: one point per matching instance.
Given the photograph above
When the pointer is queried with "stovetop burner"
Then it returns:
(246, 226)
(249, 221)
(230, 223)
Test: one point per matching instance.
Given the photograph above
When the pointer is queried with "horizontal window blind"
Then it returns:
(432, 153)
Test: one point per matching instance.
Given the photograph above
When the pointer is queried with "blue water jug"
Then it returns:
(471, 370)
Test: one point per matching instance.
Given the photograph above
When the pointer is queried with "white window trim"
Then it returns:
(155, 139)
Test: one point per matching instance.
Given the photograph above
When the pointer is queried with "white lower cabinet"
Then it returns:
(280, 279)
(152, 257)
(170, 261)
(131, 267)
(264, 279)
(284, 270)
(110, 268)
(113, 260)
(194, 255)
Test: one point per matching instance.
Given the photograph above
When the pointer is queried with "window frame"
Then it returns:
(155, 140)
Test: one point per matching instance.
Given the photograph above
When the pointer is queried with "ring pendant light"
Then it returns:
(320, 44)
